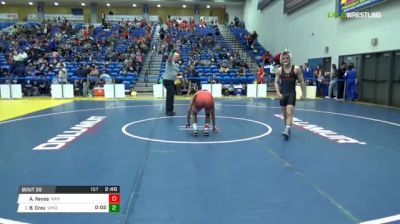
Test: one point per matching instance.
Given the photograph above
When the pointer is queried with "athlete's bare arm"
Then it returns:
(299, 75)
(277, 77)
(189, 112)
(171, 55)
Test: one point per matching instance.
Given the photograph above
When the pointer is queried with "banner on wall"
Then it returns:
(291, 5)
(154, 18)
(32, 17)
(69, 17)
(118, 18)
(209, 19)
(355, 5)
(263, 3)
(8, 16)
(187, 18)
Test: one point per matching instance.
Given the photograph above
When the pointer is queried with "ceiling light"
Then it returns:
(184, 6)
(158, 6)
(83, 4)
(208, 6)
(108, 4)
(56, 3)
(30, 3)
(3, 3)
(134, 5)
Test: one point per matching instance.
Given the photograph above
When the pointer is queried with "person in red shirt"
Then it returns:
(201, 100)
(86, 33)
(277, 58)
(266, 57)
(260, 75)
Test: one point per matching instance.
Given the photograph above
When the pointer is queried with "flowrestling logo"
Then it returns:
(355, 15)
(66, 137)
(338, 138)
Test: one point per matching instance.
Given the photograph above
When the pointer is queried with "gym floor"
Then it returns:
(339, 165)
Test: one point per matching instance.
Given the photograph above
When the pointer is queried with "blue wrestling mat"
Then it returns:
(340, 165)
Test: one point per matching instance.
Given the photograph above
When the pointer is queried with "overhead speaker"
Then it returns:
(374, 41)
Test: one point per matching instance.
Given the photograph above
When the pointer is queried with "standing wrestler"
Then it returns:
(285, 86)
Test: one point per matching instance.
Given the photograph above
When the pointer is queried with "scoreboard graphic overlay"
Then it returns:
(60, 199)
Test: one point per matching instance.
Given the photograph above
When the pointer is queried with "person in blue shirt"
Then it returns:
(351, 82)
(308, 74)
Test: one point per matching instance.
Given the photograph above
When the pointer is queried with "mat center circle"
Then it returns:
(196, 140)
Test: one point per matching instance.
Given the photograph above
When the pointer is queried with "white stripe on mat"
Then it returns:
(7, 221)
(383, 220)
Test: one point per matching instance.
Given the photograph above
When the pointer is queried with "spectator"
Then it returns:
(318, 74)
(241, 71)
(340, 80)
(194, 80)
(333, 82)
(105, 79)
(62, 74)
(224, 66)
(260, 75)
(162, 33)
(236, 21)
(351, 82)
(308, 75)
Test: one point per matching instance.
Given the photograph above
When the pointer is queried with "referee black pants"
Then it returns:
(170, 86)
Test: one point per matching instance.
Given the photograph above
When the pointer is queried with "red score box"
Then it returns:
(114, 199)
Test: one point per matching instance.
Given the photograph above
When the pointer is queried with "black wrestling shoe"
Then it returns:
(170, 113)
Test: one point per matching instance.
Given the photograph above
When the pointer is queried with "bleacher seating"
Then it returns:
(210, 73)
(256, 51)
(113, 67)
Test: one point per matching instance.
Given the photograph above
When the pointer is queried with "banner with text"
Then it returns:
(8, 16)
(355, 5)
(119, 18)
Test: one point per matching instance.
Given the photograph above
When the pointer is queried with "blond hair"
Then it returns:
(285, 53)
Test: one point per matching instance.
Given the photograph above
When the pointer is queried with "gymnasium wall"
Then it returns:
(117, 11)
(234, 11)
(307, 31)
(21, 11)
(163, 12)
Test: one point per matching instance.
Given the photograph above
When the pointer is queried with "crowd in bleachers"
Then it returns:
(57, 51)
(38, 54)
(205, 56)
(249, 43)
(268, 63)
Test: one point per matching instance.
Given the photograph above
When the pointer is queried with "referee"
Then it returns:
(171, 72)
